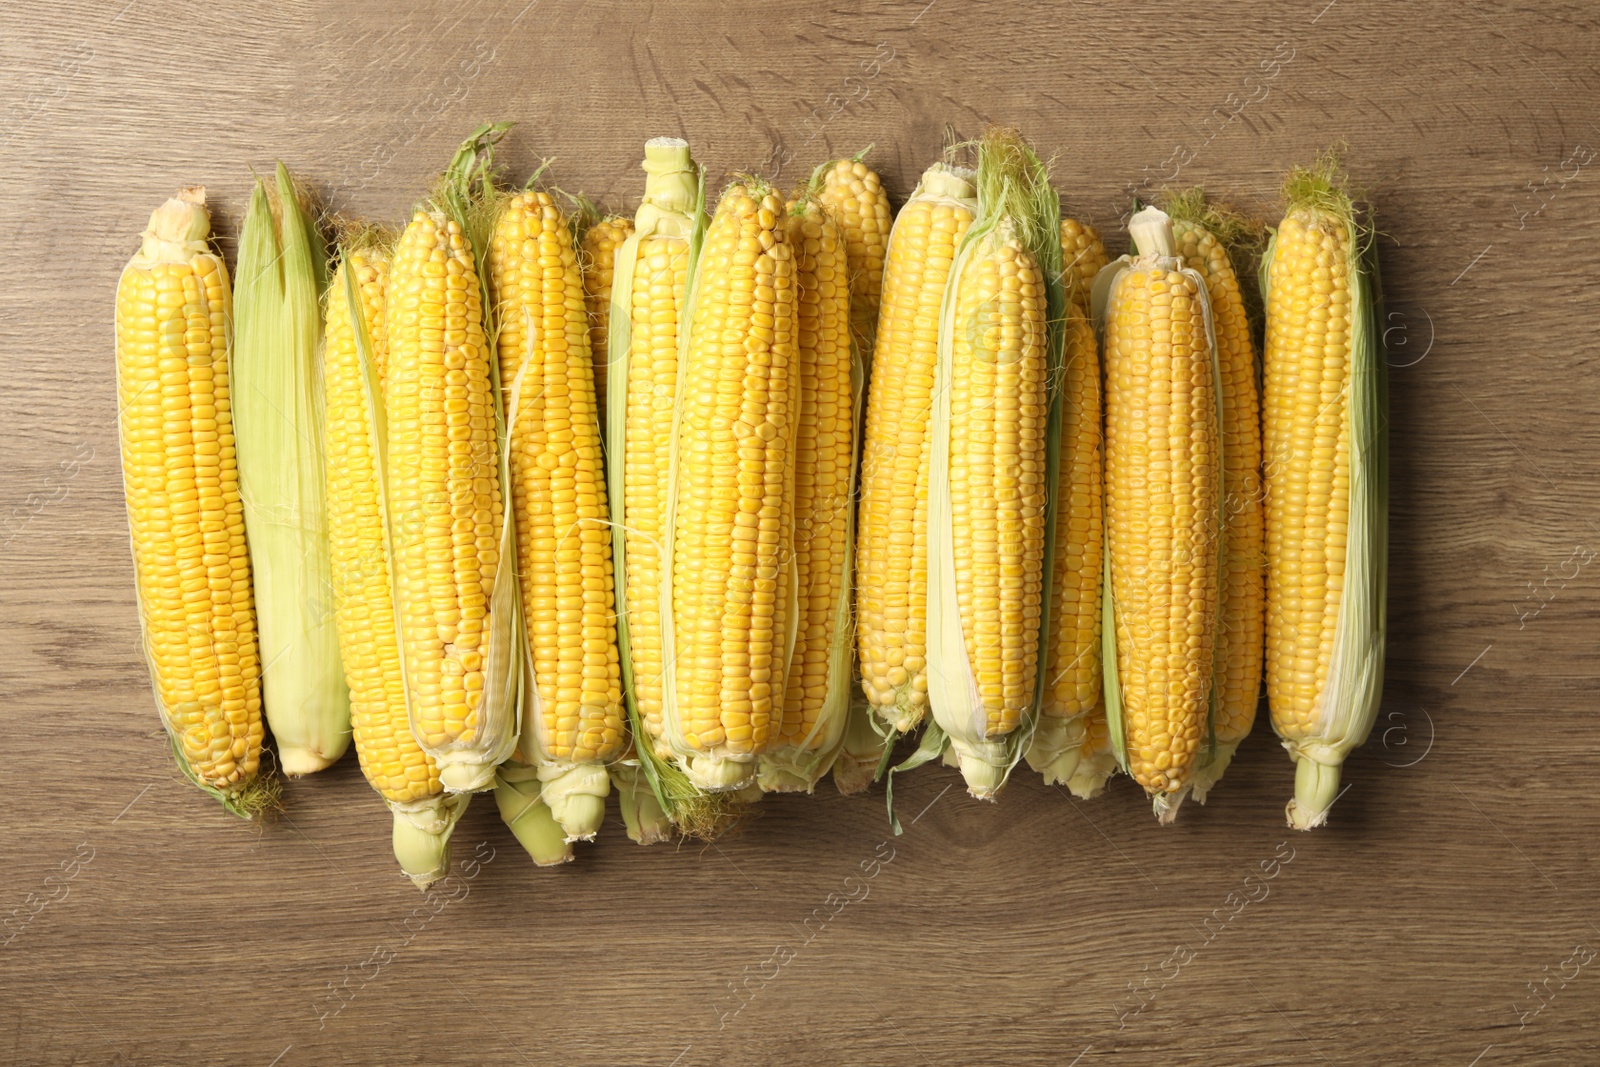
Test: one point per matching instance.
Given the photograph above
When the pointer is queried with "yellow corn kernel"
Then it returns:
(854, 195)
(1082, 256)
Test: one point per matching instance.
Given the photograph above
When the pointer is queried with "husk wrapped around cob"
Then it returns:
(175, 429)
(1325, 447)
(995, 441)
(278, 419)
(454, 575)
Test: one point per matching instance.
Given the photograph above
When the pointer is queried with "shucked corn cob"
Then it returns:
(1072, 676)
(455, 593)
(816, 701)
(854, 195)
(991, 464)
(1071, 727)
(1237, 686)
(600, 243)
(655, 268)
(174, 419)
(730, 508)
(278, 418)
(574, 718)
(892, 539)
(1163, 478)
(1326, 484)
(353, 371)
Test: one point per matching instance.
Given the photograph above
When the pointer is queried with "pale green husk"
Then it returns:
(278, 427)
(463, 194)
(522, 809)
(865, 748)
(646, 821)
(1354, 688)
(1015, 199)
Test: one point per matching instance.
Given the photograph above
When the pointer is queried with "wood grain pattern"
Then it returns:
(1409, 931)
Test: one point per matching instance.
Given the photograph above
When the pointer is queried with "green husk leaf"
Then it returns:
(932, 746)
(1015, 199)
(278, 426)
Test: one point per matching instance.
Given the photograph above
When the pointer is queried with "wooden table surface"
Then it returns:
(1448, 913)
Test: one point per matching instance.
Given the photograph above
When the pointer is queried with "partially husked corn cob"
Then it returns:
(1072, 678)
(854, 195)
(1326, 487)
(998, 407)
(1240, 636)
(600, 243)
(816, 702)
(175, 425)
(278, 422)
(1163, 481)
(460, 641)
(992, 466)
(648, 314)
(396, 766)
(1097, 757)
(732, 501)
(892, 552)
(1083, 255)
(574, 717)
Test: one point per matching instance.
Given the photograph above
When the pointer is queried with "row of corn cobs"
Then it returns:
(1078, 535)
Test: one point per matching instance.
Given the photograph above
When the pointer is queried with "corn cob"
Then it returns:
(1326, 486)
(992, 464)
(1083, 256)
(854, 195)
(1163, 474)
(1072, 677)
(730, 512)
(446, 480)
(600, 243)
(278, 418)
(1240, 637)
(652, 270)
(395, 765)
(817, 698)
(574, 715)
(174, 419)
(892, 542)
